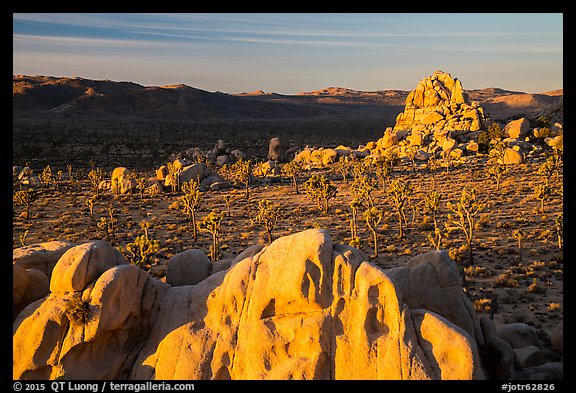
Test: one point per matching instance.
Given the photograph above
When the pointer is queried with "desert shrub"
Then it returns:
(78, 310)
(535, 287)
(506, 280)
(482, 305)
(485, 138)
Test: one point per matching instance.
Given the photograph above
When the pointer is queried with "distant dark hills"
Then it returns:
(45, 97)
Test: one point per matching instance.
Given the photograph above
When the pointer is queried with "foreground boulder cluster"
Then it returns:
(300, 308)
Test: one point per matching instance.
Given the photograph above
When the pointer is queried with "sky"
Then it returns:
(291, 53)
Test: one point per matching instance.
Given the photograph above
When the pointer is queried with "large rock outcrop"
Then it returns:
(440, 102)
(300, 308)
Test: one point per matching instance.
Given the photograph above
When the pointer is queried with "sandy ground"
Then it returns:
(63, 214)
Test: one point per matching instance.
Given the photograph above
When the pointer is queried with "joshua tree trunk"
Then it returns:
(520, 249)
(470, 256)
(194, 230)
(401, 235)
(295, 184)
(269, 233)
(375, 235)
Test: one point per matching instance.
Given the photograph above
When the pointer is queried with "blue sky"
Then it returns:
(291, 53)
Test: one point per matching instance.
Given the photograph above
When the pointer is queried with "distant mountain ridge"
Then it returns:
(46, 96)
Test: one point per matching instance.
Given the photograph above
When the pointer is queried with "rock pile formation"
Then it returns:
(300, 308)
(440, 102)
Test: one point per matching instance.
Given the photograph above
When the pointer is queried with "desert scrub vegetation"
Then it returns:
(190, 203)
(78, 310)
(143, 247)
(26, 198)
(463, 216)
(293, 169)
(320, 189)
(241, 172)
(373, 217)
(269, 215)
(212, 224)
(398, 192)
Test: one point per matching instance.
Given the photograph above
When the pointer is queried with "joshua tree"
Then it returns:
(105, 226)
(436, 239)
(190, 202)
(542, 192)
(373, 216)
(559, 222)
(519, 236)
(141, 183)
(95, 176)
(383, 171)
(293, 169)
(447, 158)
(497, 150)
(173, 176)
(46, 177)
(432, 204)
(241, 171)
(463, 217)
(342, 167)
(399, 192)
(495, 172)
(362, 188)
(211, 223)
(26, 198)
(70, 174)
(550, 167)
(269, 215)
(228, 199)
(433, 164)
(22, 238)
(143, 248)
(58, 179)
(111, 211)
(321, 190)
(411, 152)
(90, 203)
(354, 205)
